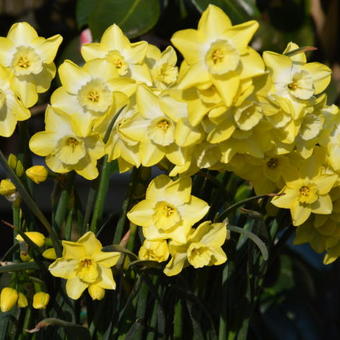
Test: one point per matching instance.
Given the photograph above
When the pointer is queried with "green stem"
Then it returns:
(103, 189)
(125, 206)
(225, 213)
(260, 244)
(32, 205)
(224, 305)
(88, 210)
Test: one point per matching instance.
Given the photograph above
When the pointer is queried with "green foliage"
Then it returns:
(135, 17)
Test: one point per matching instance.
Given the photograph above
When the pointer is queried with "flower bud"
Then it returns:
(7, 188)
(37, 173)
(12, 161)
(24, 256)
(8, 299)
(34, 236)
(49, 254)
(19, 169)
(40, 300)
(22, 300)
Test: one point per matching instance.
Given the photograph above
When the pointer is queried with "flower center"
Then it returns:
(165, 215)
(72, 142)
(217, 56)
(26, 61)
(308, 193)
(301, 86)
(273, 163)
(163, 125)
(87, 270)
(23, 62)
(222, 57)
(118, 61)
(95, 96)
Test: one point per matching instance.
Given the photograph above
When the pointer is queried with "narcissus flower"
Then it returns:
(8, 298)
(65, 147)
(218, 53)
(127, 58)
(169, 209)
(84, 265)
(30, 58)
(308, 191)
(37, 173)
(163, 67)
(293, 78)
(40, 300)
(154, 251)
(203, 248)
(89, 92)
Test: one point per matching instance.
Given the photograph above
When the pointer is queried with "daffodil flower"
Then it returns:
(85, 266)
(203, 248)
(169, 209)
(30, 58)
(65, 147)
(127, 58)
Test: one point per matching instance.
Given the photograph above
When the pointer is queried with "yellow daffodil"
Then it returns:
(308, 191)
(169, 209)
(218, 53)
(65, 147)
(84, 265)
(8, 298)
(203, 248)
(154, 251)
(119, 146)
(127, 58)
(30, 58)
(11, 107)
(89, 92)
(293, 78)
(40, 300)
(163, 67)
(152, 128)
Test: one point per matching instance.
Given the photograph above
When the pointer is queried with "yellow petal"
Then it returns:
(90, 243)
(75, 287)
(63, 268)
(214, 22)
(141, 214)
(22, 33)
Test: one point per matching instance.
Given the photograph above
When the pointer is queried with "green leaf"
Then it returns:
(83, 10)
(238, 11)
(134, 17)
(74, 331)
(18, 267)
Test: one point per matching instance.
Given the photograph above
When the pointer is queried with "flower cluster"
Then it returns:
(225, 108)
(26, 69)
(167, 216)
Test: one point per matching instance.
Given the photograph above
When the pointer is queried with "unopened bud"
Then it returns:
(37, 173)
(22, 300)
(8, 299)
(7, 188)
(34, 236)
(40, 300)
